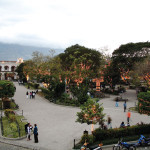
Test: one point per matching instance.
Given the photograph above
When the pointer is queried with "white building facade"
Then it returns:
(7, 69)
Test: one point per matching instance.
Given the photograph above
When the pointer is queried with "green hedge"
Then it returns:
(45, 91)
(48, 94)
(34, 85)
(144, 102)
(101, 135)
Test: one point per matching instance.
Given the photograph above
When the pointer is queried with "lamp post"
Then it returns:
(65, 85)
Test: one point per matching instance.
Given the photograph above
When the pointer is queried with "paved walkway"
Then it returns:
(56, 124)
(117, 113)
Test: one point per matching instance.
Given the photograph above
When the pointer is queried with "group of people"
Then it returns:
(28, 130)
(124, 104)
(122, 125)
(31, 94)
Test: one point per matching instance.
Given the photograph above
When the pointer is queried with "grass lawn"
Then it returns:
(12, 129)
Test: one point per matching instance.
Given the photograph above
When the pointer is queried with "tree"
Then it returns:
(141, 72)
(40, 66)
(124, 58)
(91, 113)
(144, 102)
(80, 92)
(80, 62)
(111, 75)
(21, 75)
(7, 90)
(56, 87)
(127, 55)
(30, 70)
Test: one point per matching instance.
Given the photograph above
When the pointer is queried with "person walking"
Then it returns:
(35, 132)
(128, 117)
(125, 106)
(117, 102)
(33, 95)
(109, 122)
(27, 94)
(30, 95)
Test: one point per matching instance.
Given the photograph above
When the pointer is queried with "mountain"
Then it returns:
(10, 52)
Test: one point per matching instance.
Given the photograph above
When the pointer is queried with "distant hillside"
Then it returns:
(13, 51)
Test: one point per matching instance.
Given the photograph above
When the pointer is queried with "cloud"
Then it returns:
(61, 23)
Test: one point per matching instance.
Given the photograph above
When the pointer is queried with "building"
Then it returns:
(7, 69)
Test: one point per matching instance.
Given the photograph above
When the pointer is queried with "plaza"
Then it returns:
(56, 123)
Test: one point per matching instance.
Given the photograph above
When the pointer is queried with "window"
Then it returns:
(6, 68)
(13, 68)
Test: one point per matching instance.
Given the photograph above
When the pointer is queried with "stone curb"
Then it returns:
(23, 145)
(20, 138)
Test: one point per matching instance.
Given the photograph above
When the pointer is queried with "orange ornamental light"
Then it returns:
(92, 127)
(45, 84)
(85, 116)
(27, 77)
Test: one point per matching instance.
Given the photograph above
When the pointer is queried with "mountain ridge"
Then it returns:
(10, 52)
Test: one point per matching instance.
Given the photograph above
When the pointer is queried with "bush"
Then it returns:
(13, 126)
(111, 91)
(13, 105)
(65, 100)
(45, 91)
(6, 104)
(34, 85)
(12, 117)
(9, 111)
(121, 132)
(99, 94)
(144, 102)
(88, 138)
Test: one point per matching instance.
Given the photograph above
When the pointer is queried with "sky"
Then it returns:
(97, 24)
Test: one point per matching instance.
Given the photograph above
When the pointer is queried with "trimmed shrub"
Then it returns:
(45, 91)
(111, 91)
(144, 103)
(34, 85)
(12, 117)
(100, 135)
(13, 126)
(9, 111)
(88, 138)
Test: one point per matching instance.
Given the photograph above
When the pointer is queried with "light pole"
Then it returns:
(65, 85)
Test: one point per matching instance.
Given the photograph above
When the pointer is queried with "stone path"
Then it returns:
(117, 113)
(56, 124)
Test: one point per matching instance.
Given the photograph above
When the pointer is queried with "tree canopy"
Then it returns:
(79, 61)
(91, 112)
(20, 72)
(125, 57)
(7, 89)
(141, 72)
